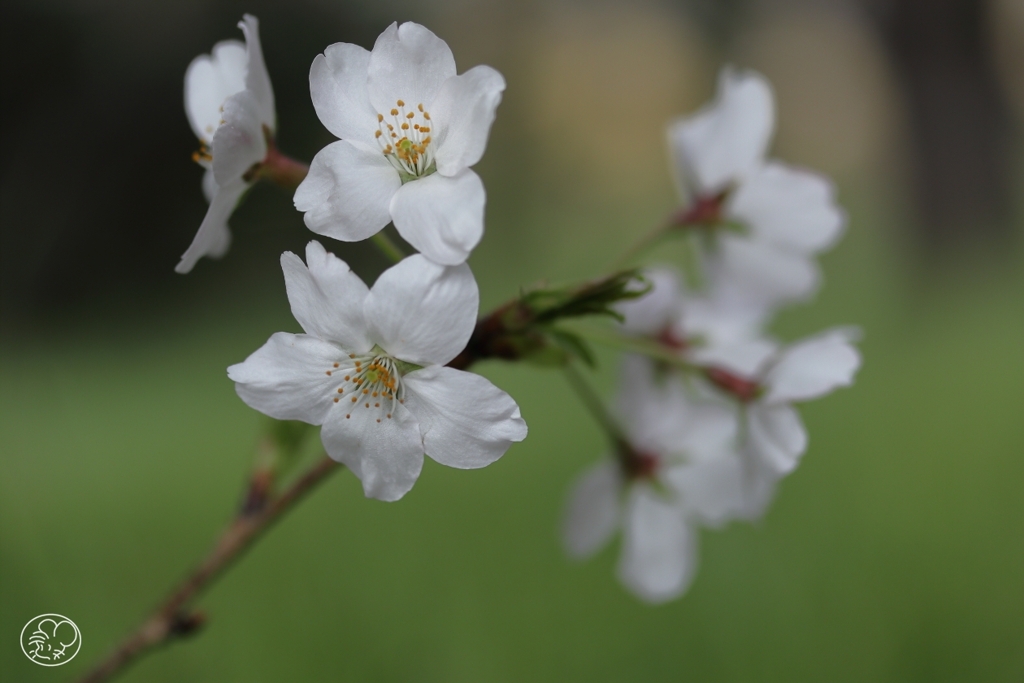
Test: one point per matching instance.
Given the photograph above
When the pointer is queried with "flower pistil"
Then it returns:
(406, 141)
(372, 380)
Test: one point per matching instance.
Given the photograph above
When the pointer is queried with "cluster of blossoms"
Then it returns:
(707, 426)
(703, 425)
(370, 367)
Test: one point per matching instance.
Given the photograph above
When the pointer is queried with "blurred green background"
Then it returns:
(894, 553)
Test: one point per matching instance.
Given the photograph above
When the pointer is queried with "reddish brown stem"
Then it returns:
(282, 170)
(276, 167)
(172, 618)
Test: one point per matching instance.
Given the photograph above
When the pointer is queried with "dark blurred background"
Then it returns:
(894, 554)
(924, 97)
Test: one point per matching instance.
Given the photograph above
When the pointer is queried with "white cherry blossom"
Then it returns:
(762, 220)
(690, 458)
(700, 327)
(229, 103)
(410, 128)
(677, 469)
(806, 370)
(370, 369)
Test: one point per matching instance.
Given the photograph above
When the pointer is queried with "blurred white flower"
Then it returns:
(371, 370)
(410, 130)
(805, 370)
(690, 458)
(229, 103)
(761, 220)
(677, 468)
(700, 327)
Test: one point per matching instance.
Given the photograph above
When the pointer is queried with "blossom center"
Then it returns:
(371, 382)
(743, 389)
(706, 212)
(203, 156)
(404, 137)
(638, 464)
(672, 339)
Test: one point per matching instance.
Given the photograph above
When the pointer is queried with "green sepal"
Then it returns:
(598, 297)
(573, 345)
(407, 177)
(282, 444)
(547, 356)
(286, 436)
(404, 368)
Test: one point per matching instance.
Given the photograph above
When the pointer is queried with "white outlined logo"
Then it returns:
(51, 640)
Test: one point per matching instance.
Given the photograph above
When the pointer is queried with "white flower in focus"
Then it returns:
(371, 369)
(763, 220)
(410, 130)
(678, 468)
(229, 103)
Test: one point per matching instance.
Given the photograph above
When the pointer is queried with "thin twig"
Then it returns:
(622, 342)
(643, 244)
(388, 247)
(172, 618)
(594, 405)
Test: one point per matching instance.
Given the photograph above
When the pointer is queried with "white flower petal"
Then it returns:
(812, 368)
(441, 216)
(286, 378)
(721, 485)
(745, 358)
(209, 81)
(755, 276)
(347, 192)
(421, 312)
(642, 391)
(337, 84)
(408, 63)
(659, 548)
(213, 237)
(717, 316)
(658, 414)
(466, 421)
(727, 140)
(257, 80)
(463, 112)
(327, 298)
(239, 143)
(789, 207)
(705, 425)
(386, 454)
(592, 513)
(210, 186)
(775, 436)
(710, 487)
(651, 313)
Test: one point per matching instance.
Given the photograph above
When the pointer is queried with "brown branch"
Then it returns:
(172, 618)
(507, 333)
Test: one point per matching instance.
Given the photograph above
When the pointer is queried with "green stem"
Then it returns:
(621, 342)
(646, 242)
(594, 405)
(387, 247)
